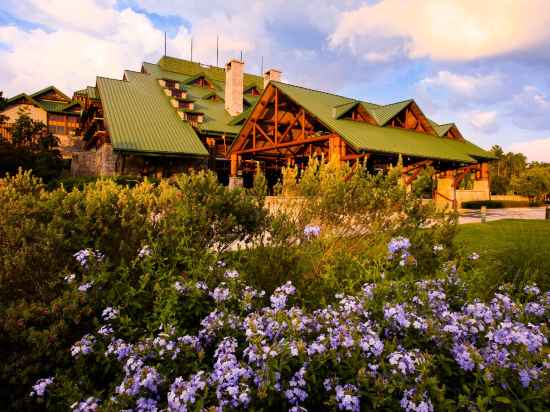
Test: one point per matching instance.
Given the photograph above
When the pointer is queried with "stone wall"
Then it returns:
(101, 162)
(105, 162)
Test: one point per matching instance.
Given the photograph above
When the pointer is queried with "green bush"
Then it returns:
(187, 222)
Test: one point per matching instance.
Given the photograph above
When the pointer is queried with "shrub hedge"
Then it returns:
(499, 204)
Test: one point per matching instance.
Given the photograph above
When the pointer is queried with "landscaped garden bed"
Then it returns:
(136, 298)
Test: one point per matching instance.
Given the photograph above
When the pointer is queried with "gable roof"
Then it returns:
(45, 90)
(140, 118)
(189, 68)
(366, 137)
(216, 119)
(51, 106)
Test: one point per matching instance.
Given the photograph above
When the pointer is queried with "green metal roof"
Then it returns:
(364, 136)
(52, 106)
(189, 68)
(216, 119)
(383, 114)
(48, 105)
(47, 89)
(140, 118)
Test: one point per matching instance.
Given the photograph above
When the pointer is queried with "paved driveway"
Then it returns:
(474, 216)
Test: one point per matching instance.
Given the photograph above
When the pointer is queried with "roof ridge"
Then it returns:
(109, 78)
(329, 93)
(399, 102)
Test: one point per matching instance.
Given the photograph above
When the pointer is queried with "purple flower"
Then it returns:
(533, 308)
(527, 375)
(312, 231)
(89, 405)
(84, 346)
(296, 393)
(180, 287)
(463, 358)
(220, 294)
(184, 393)
(83, 256)
(405, 362)
(145, 251)
(409, 405)
(347, 399)
(531, 289)
(119, 348)
(474, 256)
(398, 244)
(109, 313)
(39, 388)
(70, 278)
(85, 286)
(146, 405)
(279, 296)
(231, 274)
(105, 330)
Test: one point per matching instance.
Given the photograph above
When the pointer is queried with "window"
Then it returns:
(55, 129)
(56, 118)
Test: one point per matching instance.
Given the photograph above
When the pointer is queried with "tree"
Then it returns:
(504, 169)
(31, 147)
(534, 182)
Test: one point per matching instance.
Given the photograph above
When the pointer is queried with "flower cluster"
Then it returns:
(83, 256)
(39, 388)
(398, 248)
(311, 231)
(246, 353)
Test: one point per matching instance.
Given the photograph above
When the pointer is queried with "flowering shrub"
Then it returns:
(423, 350)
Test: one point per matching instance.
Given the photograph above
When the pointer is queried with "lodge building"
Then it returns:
(177, 115)
(58, 112)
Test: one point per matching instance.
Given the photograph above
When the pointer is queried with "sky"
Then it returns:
(480, 64)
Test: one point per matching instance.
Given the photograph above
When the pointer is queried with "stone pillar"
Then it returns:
(272, 74)
(106, 160)
(234, 84)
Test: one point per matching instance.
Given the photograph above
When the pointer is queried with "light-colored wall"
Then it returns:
(480, 191)
(36, 113)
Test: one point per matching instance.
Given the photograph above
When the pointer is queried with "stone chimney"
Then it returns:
(234, 72)
(272, 74)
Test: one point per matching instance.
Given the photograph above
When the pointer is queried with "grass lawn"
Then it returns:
(516, 252)
(502, 234)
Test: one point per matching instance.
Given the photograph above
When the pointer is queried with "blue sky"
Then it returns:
(483, 65)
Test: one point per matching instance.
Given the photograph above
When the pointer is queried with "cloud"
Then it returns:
(444, 29)
(531, 109)
(70, 57)
(535, 150)
(463, 85)
(483, 121)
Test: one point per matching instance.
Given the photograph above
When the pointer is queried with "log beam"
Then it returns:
(284, 145)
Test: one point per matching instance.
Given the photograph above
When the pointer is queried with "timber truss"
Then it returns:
(278, 132)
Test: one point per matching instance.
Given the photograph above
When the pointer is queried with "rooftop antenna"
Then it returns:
(164, 44)
(262, 67)
(217, 50)
(241, 55)
(191, 49)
